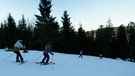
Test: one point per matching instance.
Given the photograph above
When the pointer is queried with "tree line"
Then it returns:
(112, 42)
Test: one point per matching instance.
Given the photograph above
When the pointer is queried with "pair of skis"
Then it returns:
(50, 63)
(20, 63)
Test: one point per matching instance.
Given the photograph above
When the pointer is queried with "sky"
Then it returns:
(90, 13)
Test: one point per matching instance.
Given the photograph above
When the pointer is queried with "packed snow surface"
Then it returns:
(65, 65)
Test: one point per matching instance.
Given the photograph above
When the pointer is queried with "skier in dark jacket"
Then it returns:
(46, 52)
(80, 56)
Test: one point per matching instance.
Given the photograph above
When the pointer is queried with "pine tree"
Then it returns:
(22, 25)
(12, 31)
(30, 36)
(67, 28)
(68, 36)
(91, 44)
(46, 27)
(122, 42)
(108, 35)
(131, 39)
(6, 43)
(22, 28)
(104, 38)
(81, 38)
(2, 36)
(100, 39)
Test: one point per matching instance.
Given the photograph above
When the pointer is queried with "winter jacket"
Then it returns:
(17, 46)
(81, 52)
(47, 49)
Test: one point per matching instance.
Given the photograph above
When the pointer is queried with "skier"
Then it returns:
(46, 52)
(6, 48)
(18, 45)
(100, 56)
(24, 47)
(81, 54)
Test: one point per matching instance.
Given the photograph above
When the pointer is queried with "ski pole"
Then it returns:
(52, 58)
(52, 62)
(38, 58)
(8, 57)
(24, 55)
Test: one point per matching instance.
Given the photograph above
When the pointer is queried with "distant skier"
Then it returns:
(46, 52)
(24, 47)
(80, 56)
(100, 56)
(6, 48)
(18, 45)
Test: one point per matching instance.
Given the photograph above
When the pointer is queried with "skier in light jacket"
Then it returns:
(18, 45)
(46, 52)
(6, 48)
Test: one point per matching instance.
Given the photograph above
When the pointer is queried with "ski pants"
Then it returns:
(18, 54)
(46, 57)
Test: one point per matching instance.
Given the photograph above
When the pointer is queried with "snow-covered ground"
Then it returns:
(66, 65)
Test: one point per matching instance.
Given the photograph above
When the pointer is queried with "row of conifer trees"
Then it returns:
(107, 40)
